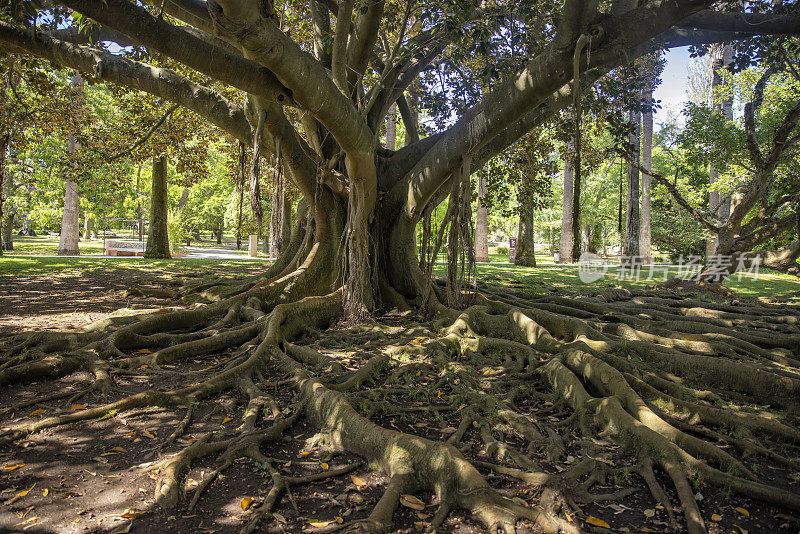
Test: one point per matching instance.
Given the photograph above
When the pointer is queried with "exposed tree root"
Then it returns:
(658, 376)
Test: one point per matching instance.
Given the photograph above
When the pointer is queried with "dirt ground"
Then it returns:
(100, 476)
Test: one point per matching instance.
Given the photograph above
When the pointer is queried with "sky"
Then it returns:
(674, 84)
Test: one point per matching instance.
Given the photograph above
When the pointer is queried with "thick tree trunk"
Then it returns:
(631, 246)
(565, 246)
(526, 241)
(482, 219)
(157, 237)
(647, 157)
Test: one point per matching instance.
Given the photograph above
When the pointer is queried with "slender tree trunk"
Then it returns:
(240, 187)
(391, 127)
(526, 242)
(482, 219)
(565, 248)
(157, 237)
(631, 245)
(6, 214)
(70, 221)
(647, 157)
(286, 232)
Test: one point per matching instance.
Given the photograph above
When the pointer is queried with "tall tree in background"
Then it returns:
(70, 221)
(630, 246)
(157, 235)
(721, 102)
(645, 241)
(482, 218)
(565, 245)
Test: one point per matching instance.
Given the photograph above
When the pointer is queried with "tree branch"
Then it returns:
(139, 142)
(184, 47)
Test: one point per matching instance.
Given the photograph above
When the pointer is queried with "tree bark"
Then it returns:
(565, 247)
(70, 221)
(526, 241)
(482, 219)
(391, 127)
(157, 237)
(631, 245)
(6, 212)
(647, 158)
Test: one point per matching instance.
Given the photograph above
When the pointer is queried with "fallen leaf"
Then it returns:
(319, 524)
(77, 407)
(148, 434)
(29, 520)
(716, 517)
(121, 529)
(26, 492)
(649, 512)
(338, 519)
(45, 492)
(358, 481)
(742, 511)
(130, 513)
(226, 420)
(597, 522)
(324, 466)
(37, 412)
(246, 503)
(279, 517)
(118, 449)
(11, 467)
(304, 453)
(145, 351)
(412, 502)
(421, 525)
(423, 516)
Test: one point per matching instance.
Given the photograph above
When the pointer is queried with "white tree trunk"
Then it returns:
(631, 245)
(391, 127)
(565, 246)
(482, 219)
(70, 221)
(647, 157)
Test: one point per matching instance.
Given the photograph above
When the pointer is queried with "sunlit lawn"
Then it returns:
(544, 278)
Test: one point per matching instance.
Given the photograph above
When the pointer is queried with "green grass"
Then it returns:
(22, 265)
(542, 279)
(48, 244)
(564, 278)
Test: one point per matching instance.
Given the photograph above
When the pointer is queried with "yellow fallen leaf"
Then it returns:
(77, 407)
(418, 373)
(45, 492)
(29, 520)
(412, 502)
(149, 434)
(324, 466)
(338, 519)
(145, 351)
(319, 524)
(246, 503)
(304, 453)
(649, 512)
(226, 420)
(487, 372)
(130, 513)
(439, 394)
(11, 467)
(716, 517)
(279, 517)
(597, 522)
(118, 449)
(145, 366)
(358, 481)
(37, 412)
(569, 517)
(26, 492)
(742, 511)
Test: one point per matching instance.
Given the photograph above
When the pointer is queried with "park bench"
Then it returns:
(124, 248)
